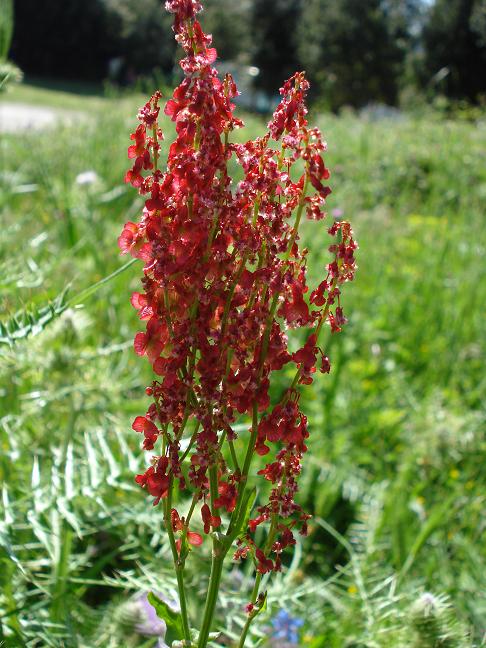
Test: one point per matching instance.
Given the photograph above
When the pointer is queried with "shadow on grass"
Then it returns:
(84, 88)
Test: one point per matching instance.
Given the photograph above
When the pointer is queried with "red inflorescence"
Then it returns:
(223, 280)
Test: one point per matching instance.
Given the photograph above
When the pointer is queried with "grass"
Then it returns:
(63, 95)
(394, 477)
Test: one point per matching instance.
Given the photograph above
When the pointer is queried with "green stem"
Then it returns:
(244, 632)
(256, 587)
(77, 299)
(212, 596)
(182, 600)
(253, 614)
(213, 486)
(178, 565)
(191, 442)
(258, 580)
(297, 219)
(245, 471)
(195, 500)
(219, 554)
(233, 456)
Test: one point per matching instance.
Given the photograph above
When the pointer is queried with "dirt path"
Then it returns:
(17, 117)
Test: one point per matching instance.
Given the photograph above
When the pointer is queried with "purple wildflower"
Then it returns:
(149, 625)
(286, 628)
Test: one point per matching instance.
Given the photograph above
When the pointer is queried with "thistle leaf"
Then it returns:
(172, 619)
(28, 323)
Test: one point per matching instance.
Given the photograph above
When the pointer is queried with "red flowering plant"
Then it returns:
(224, 279)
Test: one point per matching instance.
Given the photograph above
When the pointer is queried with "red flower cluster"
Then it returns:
(223, 280)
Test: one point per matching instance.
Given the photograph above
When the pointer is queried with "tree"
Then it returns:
(478, 21)
(61, 39)
(350, 52)
(229, 24)
(274, 42)
(76, 39)
(141, 34)
(455, 48)
(406, 18)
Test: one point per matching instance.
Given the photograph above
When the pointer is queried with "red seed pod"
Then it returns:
(224, 280)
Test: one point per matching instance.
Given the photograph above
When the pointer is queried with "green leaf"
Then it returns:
(261, 604)
(32, 322)
(173, 620)
(29, 323)
(436, 519)
(82, 296)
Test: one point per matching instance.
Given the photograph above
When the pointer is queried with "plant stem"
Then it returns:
(245, 630)
(84, 294)
(233, 455)
(195, 500)
(251, 616)
(182, 600)
(245, 471)
(258, 580)
(212, 596)
(298, 217)
(178, 566)
(213, 486)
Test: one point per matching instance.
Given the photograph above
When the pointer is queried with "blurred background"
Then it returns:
(395, 475)
(355, 52)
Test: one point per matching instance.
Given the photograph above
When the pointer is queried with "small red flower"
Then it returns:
(130, 239)
(149, 429)
(227, 496)
(264, 564)
(224, 280)
(209, 520)
(157, 483)
(306, 359)
(178, 524)
(295, 309)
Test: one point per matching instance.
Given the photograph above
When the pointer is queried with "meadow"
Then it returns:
(395, 474)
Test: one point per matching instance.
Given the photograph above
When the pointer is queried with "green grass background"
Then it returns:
(395, 473)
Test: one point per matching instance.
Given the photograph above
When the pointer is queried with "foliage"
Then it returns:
(454, 44)
(141, 36)
(6, 27)
(396, 481)
(9, 73)
(50, 45)
(350, 51)
(273, 24)
(357, 52)
(478, 21)
(229, 25)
